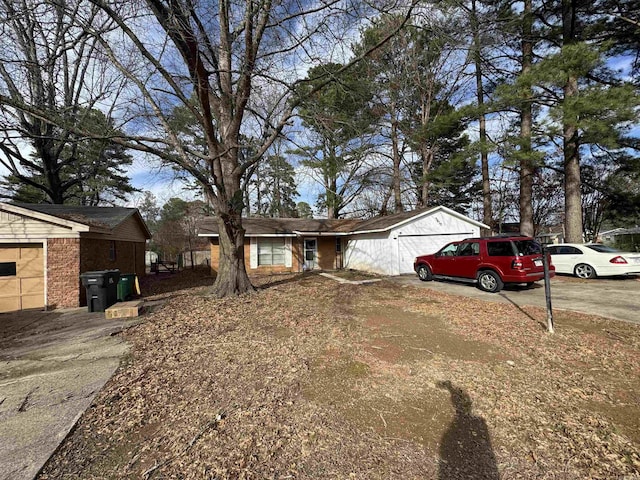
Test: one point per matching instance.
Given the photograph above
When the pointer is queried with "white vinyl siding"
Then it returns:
(271, 251)
(253, 253)
(19, 228)
(393, 252)
(288, 258)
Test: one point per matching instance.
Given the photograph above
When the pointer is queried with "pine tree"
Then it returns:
(340, 120)
(86, 171)
(277, 188)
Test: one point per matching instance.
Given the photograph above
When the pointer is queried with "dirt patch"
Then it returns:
(416, 336)
(354, 275)
(305, 380)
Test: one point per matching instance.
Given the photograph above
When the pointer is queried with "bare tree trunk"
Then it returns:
(332, 199)
(232, 277)
(427, 154)
(487, 212)
(526, 121)
(397, 192)
(572, 180)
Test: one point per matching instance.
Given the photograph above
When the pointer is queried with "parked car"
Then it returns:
(489, 262)
(593, 260)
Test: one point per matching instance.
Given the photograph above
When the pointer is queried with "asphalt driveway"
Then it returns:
(617, 298)
(52, 364)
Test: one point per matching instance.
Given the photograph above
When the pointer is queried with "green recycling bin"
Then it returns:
(126, 286)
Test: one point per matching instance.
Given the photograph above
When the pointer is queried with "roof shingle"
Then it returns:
(105, 217)
(284, 226)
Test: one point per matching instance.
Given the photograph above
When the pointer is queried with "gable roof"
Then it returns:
(282, 226)
(297, 226)
(98, 219)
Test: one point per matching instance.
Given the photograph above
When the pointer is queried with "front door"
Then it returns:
(310, 253)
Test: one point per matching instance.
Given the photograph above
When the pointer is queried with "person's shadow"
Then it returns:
(465, 449)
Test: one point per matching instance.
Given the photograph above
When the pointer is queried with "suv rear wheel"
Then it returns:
(489, 281)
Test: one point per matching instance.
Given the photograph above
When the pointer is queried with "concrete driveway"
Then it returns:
(52, 364)
(617, 298)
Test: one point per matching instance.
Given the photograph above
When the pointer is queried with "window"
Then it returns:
(566, 250)
(469, 249)
(527, 247)
(338, 244)
(449, 250)
(271, 251)
(7, 269)
(112, 251)
(499, 249)
(603, 248)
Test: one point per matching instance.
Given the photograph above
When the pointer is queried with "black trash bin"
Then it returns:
(102, 289)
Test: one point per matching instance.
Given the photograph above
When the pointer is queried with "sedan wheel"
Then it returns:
(583, 270)
(424, 273)
(489, 281)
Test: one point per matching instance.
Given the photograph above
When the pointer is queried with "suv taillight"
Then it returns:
(617, 259)
(517, 264)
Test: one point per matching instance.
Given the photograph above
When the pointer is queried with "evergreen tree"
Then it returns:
(86, 171)
(417, 75)
(567, 97)
(340, 120)
(304, 210)
(277, 188)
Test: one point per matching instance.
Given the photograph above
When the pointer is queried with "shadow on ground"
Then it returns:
(465, 448)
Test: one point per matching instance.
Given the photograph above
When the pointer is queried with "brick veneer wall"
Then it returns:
(63, 272)
(326, 256)
(215, 259)
(94, 255)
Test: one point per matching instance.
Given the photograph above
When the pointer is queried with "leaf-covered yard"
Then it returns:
(311, 379)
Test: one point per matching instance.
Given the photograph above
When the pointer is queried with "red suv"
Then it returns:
(490, 262)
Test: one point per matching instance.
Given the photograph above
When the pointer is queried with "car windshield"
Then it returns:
(527, 247)
(603, 248)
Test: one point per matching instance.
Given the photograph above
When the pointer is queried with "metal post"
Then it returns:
(547, 289)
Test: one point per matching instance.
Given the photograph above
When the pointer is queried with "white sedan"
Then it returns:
(593, 260)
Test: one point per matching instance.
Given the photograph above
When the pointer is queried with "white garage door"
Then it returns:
(21, 277)
(412, 246)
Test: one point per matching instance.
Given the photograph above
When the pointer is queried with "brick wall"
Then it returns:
(129, 256)
(95, 255)
(63, 272)
(326, 256)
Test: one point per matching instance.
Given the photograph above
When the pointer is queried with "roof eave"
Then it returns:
(320, 234)
(75, 226)
(212, 235)
(424, 214)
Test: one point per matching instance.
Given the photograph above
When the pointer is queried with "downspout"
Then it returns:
(45, 250)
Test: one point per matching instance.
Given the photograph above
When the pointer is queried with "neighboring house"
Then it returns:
(45, 248)
(627, 239)
(551, 235)
(385, 245)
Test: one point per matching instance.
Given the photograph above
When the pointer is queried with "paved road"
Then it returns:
(617, 298)
(52, 364)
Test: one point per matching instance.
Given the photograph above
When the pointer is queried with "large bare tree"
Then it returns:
(48, 63)
(235, 65)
